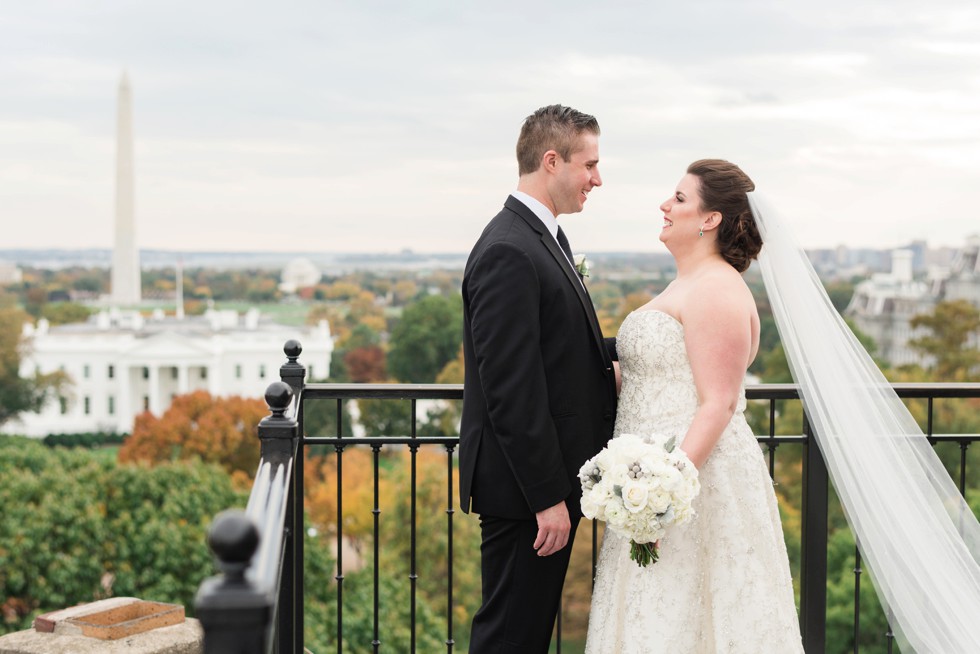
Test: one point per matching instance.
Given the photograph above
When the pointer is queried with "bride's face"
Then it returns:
(682, 211)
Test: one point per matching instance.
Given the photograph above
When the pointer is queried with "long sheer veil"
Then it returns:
(915, 531)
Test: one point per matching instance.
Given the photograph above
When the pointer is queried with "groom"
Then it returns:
(540, 395)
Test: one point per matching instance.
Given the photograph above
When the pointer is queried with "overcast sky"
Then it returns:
(376, 126)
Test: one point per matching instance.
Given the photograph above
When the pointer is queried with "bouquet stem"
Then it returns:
(644, 553)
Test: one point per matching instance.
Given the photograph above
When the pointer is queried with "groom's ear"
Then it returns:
(549, 160)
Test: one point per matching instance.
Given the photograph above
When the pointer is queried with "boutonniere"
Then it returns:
(581, 265)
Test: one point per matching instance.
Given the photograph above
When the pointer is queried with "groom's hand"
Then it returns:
(553, 529)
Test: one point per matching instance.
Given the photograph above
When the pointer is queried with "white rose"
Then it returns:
(671, 479)
(603, 491)
(590, 507)
(618, 474)
(659, 501)
(635, 496)
(616, 515)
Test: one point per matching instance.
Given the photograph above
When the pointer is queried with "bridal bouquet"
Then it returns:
(639, 487)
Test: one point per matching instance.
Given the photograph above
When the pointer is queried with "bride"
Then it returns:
(722, 582)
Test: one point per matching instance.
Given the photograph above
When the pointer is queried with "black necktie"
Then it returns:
(563, 242)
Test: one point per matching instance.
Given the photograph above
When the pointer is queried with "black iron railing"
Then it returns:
(224, 603)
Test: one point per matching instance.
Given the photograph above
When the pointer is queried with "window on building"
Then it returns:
(112, 372)
(146, 372)
(146, 402)
(63, 402)
(262, 371)
(88, 405)
(238, 371)
(204, 373)
(85, 371)
(112, 405)
(173, 373)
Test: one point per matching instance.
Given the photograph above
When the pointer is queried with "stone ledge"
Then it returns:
(186, 638)
(49, 623)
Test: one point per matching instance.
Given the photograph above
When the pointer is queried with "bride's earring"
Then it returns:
(701, 231)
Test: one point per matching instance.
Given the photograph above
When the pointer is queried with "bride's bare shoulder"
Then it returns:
(723, 289)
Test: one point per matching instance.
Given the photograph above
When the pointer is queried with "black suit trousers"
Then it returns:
(521, 590)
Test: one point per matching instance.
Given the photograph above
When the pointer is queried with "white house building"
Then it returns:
(121, 364)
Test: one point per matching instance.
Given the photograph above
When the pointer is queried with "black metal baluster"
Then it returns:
(376, 643)
(813, 557)
(772, 443)
(450, 642)
(857, 599)
(299, 537)
(340, 532)
(287, 609)
(889, 634)
(413, 576)
(929, 418)
(963, 446)
(558, 637)
(595, 548)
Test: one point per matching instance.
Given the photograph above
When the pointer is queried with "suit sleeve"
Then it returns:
(503, 295)
(610, 344)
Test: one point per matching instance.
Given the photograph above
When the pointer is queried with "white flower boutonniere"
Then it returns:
(581, 265)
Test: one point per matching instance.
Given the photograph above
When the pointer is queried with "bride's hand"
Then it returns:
(554, 526)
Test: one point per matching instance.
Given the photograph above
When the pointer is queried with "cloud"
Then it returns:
(384, 125)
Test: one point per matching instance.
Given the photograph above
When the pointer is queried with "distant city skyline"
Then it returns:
(383, 126)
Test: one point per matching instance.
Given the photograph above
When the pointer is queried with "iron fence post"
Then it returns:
(234, 613)
(813, 564)
(294, 373)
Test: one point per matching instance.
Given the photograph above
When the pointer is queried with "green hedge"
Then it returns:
(85, 439)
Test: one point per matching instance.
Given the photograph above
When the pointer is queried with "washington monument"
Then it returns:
(125, 255)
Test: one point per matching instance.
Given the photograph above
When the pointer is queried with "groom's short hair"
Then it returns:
(554, 127)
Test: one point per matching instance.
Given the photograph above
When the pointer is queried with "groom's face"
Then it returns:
(575, 178)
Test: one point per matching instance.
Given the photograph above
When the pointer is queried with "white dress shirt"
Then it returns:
(544, 215)
(550, 222)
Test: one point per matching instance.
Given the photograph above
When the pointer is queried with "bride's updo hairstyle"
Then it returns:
(723, 186)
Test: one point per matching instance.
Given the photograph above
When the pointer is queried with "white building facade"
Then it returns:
(121, 364)
(883, 306)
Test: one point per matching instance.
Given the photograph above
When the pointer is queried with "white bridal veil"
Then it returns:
(914, 530)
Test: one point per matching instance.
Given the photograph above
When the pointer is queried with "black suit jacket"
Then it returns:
(539, 396)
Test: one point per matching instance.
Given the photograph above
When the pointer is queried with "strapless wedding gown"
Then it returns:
(722, 583)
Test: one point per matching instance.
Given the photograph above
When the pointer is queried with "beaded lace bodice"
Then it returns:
(658, 392)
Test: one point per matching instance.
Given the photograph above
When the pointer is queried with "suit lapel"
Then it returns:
(571, 274)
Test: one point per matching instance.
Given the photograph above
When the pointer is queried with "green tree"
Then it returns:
(320, 419)
(951, 324)
(840, 293)
(426, 338)
(77, 527)
(21, 394)
(386, 417)
(61, 313)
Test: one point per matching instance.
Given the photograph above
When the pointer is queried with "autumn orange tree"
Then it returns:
(366, 365)
(222, 430)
